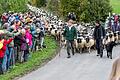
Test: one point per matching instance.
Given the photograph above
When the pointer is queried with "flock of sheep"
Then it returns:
(85, 40)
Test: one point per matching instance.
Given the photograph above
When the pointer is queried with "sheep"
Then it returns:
(62, 39)
(116, 37)
(56, 33)
(109, 44)
(89, 42)
(107, 39)
(53, 32)
(111, 35)
(51, 27)
(80, 43)
(109, 48)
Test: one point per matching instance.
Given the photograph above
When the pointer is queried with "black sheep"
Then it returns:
(109, 48)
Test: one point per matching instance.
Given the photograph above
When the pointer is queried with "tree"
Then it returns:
(33, 2)
(40, 3)
(70, 6)
(86, 10)
(99, 9)
(53, 6)
(13, 5)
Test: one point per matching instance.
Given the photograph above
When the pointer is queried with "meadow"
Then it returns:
(116, 6)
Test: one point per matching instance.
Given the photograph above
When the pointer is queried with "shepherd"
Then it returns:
(70, 34)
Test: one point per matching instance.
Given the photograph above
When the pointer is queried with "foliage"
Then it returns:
(70, 6)
(53, 6)
(116, 6)
(13, 5)
(36, 60)
(86, 10)
(40, 3)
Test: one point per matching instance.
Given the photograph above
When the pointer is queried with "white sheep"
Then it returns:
(89, 42)
(107, 39)
(80, 44)
(116, 37)
(111, 35)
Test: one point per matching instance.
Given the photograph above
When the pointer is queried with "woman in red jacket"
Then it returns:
(3, 49)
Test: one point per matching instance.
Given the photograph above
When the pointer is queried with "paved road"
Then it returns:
(79, 67)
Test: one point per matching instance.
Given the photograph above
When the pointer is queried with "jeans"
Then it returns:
(4, 64)
(1, 69)
(34, 45)
(26, 55)
(16, 52)
(99, 46)
(21, 58)
(10, 57)
(41, 41)
(70, 44)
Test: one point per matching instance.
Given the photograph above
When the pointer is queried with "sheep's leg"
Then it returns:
(89, 49)
(37, 48)
(75, 49)
(80, 50)
(94, 47)
(64, 45)
(55, 37)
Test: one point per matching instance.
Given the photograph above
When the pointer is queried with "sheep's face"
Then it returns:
(115, 34)
(87, 39)
(110, 35)
(62, 33)
(78, 35)
(63, 40)
(50, 29)
(58, 28)
(78, 32)
(47, 29)
(55, 31)
(107, 37)
(118, 33)
(79, 40)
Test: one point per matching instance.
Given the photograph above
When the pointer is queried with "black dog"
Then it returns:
(109, 48)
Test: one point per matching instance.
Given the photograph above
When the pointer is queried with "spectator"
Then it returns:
(3, 49)
(115, 73)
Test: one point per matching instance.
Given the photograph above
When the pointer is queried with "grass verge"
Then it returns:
(116, 6)
(38, 59)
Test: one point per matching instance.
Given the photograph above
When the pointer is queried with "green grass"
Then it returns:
(37, 59)
(116, 6)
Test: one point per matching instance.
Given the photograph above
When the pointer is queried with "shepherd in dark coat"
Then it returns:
(99, 35)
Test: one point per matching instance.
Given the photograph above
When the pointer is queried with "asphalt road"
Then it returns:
(79, 67)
